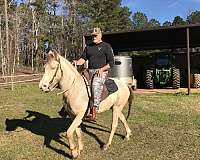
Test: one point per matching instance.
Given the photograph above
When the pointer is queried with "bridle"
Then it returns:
(51, 81)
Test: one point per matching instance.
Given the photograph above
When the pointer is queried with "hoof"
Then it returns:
(127, 137)
(105, 147)
(79, 150)
(75, 154)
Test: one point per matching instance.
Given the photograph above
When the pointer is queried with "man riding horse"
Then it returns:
(100, 57)
(60, 72)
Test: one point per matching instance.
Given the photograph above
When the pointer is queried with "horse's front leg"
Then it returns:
(80, 143)
(75, 124)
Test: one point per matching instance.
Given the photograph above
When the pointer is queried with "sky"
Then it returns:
(163, 10)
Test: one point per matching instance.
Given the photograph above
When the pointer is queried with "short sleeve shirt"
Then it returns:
(98, 55)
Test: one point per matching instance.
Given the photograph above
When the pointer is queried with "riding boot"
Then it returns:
(92, 115)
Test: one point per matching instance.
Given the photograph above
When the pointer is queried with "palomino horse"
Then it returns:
(60, 72)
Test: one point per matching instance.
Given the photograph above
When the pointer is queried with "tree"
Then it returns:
(194, 17)
(120, 20)
(108, 15)
(7, 37)
(167, 24)
(178, 21)
(30, 24)
(2, 56)
(153, 23)
(139, 20)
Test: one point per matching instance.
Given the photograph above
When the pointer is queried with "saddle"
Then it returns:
(109, 86)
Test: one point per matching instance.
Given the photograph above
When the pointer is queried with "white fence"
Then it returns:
(6, 81)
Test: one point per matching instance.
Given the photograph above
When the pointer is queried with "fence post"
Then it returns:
(12, 85)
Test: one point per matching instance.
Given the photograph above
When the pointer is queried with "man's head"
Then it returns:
(97, 35)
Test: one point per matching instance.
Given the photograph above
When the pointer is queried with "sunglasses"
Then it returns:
(94, 35)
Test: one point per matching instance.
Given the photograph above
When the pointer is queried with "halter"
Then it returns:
(75, 65)
(59, 66)
(51, 81)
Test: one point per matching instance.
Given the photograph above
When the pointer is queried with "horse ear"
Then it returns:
(53, 54)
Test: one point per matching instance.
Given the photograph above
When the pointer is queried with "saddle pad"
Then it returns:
(111, 86)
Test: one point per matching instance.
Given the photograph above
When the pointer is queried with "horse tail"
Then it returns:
(130, 102)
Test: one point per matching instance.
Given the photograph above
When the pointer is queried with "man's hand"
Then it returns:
(99, 72)
(74, 62)
(78, 62)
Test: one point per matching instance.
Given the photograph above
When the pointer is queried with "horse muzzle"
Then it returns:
(44, 87)
(48, 87)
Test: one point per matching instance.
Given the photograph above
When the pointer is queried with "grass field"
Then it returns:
(164, 127)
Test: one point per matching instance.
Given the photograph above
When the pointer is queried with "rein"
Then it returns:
(66, 89)
(62, 74)
(59, 66)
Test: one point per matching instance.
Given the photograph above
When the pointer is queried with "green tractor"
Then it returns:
(162, 73)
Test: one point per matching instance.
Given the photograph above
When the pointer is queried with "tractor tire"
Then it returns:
(149, 79)
(175, 78)
(196, 80)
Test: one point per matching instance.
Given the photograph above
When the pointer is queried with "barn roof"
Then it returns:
(149, 39)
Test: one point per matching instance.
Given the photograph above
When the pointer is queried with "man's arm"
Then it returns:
(102, 69)
(106, 67)
(80, 61)
(110, 56)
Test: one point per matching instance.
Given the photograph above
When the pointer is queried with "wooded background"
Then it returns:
(28, 27)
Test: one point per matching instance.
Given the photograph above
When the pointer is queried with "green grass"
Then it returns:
(164, 126)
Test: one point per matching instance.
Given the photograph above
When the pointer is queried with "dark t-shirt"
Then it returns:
(98, 55)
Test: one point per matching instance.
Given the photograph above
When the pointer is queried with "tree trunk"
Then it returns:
(36, 48)
(33, 30)
(7, 39)
(13, 64)
(1, 52)
(17, 38)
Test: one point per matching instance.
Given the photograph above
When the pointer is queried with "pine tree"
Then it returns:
(178, 21)
(140, 20)
(194, 17)
(108, 15)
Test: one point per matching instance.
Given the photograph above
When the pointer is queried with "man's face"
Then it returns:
(97, 38)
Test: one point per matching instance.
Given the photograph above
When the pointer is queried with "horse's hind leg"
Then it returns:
(80, 143)
(75, 124)
(128, 130)
(115, 116)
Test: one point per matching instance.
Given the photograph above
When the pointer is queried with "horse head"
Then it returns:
(53, 72)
